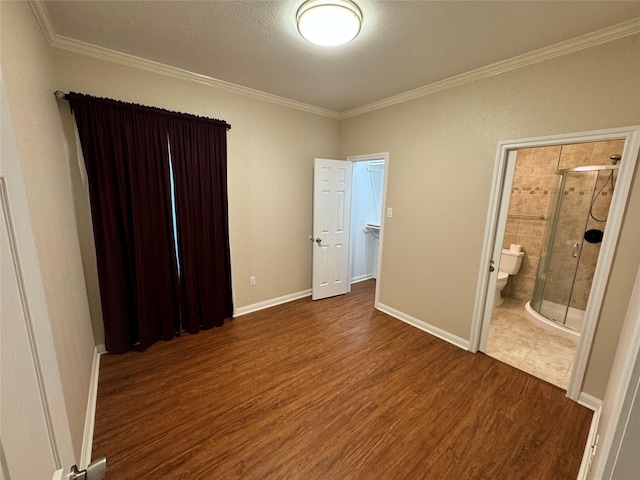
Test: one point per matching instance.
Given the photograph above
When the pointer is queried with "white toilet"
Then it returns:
(510, 262)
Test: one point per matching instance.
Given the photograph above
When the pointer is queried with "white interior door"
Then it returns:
(25, 436)
(35, 441)
(331, 227)
(505, 197)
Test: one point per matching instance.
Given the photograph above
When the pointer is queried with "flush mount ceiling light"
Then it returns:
(329, 22)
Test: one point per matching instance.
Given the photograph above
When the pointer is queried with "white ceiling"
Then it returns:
(403, 45)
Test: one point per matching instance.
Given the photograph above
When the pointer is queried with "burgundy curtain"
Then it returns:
(145, 293)
(198, 156)
(126, 156)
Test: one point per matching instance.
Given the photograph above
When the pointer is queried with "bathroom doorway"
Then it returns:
(558, 208)
(540, 187)
(367, 219)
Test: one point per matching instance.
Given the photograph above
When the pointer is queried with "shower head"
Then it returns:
(615, 159)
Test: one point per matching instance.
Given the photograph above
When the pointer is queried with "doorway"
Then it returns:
(367, 203)
(336, 263)
(558, 209)
(507, 218)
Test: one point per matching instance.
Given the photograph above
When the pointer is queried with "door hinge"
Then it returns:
(592, 453)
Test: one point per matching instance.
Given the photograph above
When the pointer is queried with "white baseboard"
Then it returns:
(424, 326)
(595, 404)
(362, 278)
(90, 419)
(270, 303)
(591, 402)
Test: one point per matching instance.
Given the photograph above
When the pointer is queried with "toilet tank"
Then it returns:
(510, 261)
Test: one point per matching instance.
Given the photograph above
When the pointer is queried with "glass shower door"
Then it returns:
(567, 219)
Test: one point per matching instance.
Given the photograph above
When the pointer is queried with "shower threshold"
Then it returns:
(573, 325)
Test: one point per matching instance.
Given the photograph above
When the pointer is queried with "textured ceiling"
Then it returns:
(402, 45)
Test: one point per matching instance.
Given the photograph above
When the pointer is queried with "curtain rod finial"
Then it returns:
(60, 94)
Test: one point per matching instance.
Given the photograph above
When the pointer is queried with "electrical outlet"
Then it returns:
(252, 281)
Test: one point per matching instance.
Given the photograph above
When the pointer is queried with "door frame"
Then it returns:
(621, 396)
(367, 158)
(496, 221)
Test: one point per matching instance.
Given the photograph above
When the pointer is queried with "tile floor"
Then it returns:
(516, 341)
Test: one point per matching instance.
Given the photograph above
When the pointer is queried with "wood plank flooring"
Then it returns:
(329, 390)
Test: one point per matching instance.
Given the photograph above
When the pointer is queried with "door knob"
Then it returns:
(318, 240)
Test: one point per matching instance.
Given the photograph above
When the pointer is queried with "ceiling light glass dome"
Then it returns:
(329, 22)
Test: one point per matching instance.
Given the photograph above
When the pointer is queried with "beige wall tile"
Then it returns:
(531, 245)
(538, 204)
(513, 225)
(529, 266)
(516, 203)
(603, 150)
(508, 239)
(532, 228)
(546, 158)
(576, 155)
(522, 287)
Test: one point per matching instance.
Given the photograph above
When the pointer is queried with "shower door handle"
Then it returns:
(576, 250)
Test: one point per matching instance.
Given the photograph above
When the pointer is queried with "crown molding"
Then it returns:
(615, 32)
(77, 46)
(43, 18)
(592, 39)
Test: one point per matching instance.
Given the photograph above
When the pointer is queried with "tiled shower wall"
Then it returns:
(577, 196)
(533, 183)
(590, 251)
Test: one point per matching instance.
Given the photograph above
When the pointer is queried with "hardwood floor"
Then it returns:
(329, 390)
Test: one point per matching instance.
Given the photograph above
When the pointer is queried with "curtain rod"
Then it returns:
(64, 96)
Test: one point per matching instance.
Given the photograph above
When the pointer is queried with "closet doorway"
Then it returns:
(368, 194)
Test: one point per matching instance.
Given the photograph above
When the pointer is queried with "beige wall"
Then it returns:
(270, 158)
(28, 72)
(442, 153)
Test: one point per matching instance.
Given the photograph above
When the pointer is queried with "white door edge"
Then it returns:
(497, 234)
(622, 393)
(43, 349)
